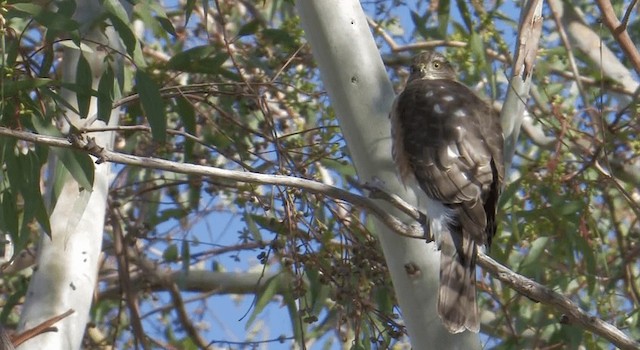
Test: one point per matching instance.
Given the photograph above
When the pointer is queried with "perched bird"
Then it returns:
(450, 142)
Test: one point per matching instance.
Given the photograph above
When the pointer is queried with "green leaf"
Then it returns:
(170, 253)
(532, 260)
(84, 81)
(420, 23)
(171, 213)
(51, 20)
(278, 36)
(167, 25)
(249, 28)
(13, 299)
(152, 105)
(444, 9)
(252, 227)
(466, 14)
(204, 59)
(11, 88)
(130, 41)
(115, 8)
(23, 172)
(31, 166)
(79, 165)
(188, 10)
(47, 60)
(188, 116)
(264, 297)
(9, 222)
(106, 94)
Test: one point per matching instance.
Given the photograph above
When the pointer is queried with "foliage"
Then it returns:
(233, 85)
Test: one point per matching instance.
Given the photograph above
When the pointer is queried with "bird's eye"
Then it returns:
(437, 65)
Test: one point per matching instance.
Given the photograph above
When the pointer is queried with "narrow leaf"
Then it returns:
(152, 105)
(9, 222)
(444, 9)
(185, 255)
(264, 298)
(79, 165)
(130, 41)
(84, 81)
(105, 94)
(188, 116)
(188, 10)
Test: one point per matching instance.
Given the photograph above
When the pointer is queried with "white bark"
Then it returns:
(361, 94)
(67, 268)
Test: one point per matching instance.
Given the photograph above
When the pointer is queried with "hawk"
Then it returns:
(449, 141)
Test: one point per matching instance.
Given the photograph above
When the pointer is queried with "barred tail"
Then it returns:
(457, 305)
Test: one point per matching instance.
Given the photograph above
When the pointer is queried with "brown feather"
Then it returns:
(450, 140)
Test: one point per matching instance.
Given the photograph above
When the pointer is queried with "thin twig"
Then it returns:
(627, 13)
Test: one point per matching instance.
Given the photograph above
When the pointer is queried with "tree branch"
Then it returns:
(620, 33)
(542, 294)
(519, 283)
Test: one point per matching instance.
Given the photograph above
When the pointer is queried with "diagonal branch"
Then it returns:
(521, 284)
(571, 313)
(620, 33)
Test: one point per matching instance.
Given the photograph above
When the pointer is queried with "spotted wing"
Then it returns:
(451, 142)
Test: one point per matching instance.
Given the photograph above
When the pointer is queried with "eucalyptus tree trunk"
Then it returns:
(66, 274)
(361, 94)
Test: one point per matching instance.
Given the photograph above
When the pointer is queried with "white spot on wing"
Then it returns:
(429, 93)
(452, 151)
(460, 113)
(448, 98)
(437, 108)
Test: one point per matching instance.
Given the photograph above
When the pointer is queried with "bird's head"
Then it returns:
(431, 65)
